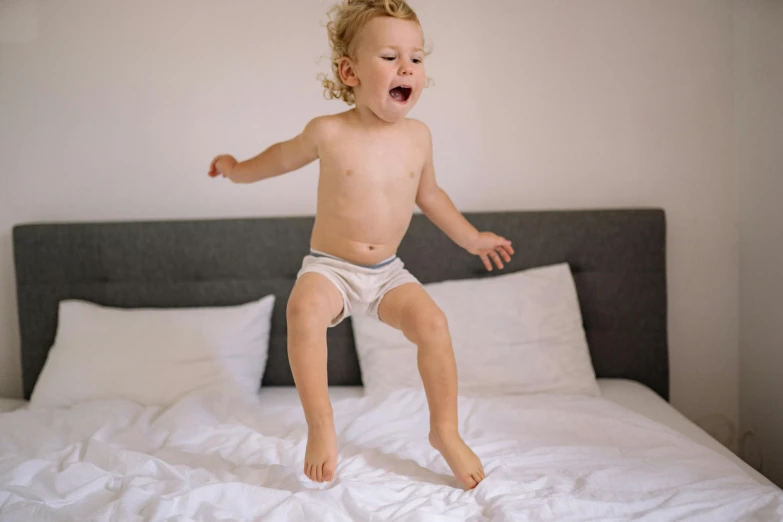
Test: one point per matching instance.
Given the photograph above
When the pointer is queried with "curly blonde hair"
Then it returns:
(345, 21)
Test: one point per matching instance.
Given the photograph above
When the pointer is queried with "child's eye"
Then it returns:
(389, 58)
(416, 60)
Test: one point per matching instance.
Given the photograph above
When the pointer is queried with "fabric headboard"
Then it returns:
(618, 258)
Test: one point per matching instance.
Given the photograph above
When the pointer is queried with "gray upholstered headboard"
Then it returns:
(618, 258)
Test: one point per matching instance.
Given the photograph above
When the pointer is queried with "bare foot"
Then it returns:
(465, 465)
(321, 453)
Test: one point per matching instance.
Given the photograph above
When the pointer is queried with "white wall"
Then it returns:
(759, 132)
(114, 110)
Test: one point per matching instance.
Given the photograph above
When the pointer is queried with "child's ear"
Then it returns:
(347, 72)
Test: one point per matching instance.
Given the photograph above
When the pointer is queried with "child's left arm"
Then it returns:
(437, 206)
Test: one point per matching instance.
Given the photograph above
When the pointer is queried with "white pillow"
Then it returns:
(512, 334)
(153, 356)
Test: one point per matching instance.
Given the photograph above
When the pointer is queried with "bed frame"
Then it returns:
(618, 258)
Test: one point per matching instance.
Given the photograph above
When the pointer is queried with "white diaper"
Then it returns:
(362, 287)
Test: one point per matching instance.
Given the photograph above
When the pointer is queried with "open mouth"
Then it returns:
(401, 94)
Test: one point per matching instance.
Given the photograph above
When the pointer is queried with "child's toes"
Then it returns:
(468, 481)
(319, 472)
(329, 469)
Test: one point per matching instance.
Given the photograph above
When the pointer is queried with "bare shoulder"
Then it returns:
(420, 129)
(322, 127)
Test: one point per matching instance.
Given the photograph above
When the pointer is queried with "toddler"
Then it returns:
(375, 165)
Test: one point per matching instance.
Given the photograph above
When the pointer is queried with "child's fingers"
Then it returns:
(486, 262)
(504, 255)
(496, 257)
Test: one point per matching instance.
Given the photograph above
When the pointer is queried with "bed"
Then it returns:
(624, 455)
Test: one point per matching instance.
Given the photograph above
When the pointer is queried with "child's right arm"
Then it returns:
(278, 159)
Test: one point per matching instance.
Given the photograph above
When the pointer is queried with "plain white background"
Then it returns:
(759, 129)
(113, 110)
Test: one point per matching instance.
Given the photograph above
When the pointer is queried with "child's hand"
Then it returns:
(489, 245)
(222, 166)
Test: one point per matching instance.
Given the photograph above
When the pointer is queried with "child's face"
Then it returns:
(389, 67)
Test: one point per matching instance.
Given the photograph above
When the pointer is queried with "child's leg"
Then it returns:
(409, 308)
(313, 303)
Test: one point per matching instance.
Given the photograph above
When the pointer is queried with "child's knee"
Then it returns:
(308, 311)
(429, 327)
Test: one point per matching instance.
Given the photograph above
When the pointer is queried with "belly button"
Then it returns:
(372, 247)
(348, 172)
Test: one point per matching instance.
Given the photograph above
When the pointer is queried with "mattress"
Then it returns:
(643, 400)
(11, 404)
(216, 456)
(629, 394)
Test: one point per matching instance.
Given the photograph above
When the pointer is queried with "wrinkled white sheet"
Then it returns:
(212, 457)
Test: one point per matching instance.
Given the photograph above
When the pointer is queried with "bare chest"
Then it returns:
(391, 165)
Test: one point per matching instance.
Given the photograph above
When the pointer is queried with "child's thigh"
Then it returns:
(407, 307)
(314, 298)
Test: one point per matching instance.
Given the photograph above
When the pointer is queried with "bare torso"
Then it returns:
(367, 188)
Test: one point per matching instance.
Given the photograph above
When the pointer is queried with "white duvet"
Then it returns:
(212, 457)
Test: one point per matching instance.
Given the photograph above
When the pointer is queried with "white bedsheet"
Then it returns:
(629, 394)
(211, 457)
(641, 399)
(12, 404)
